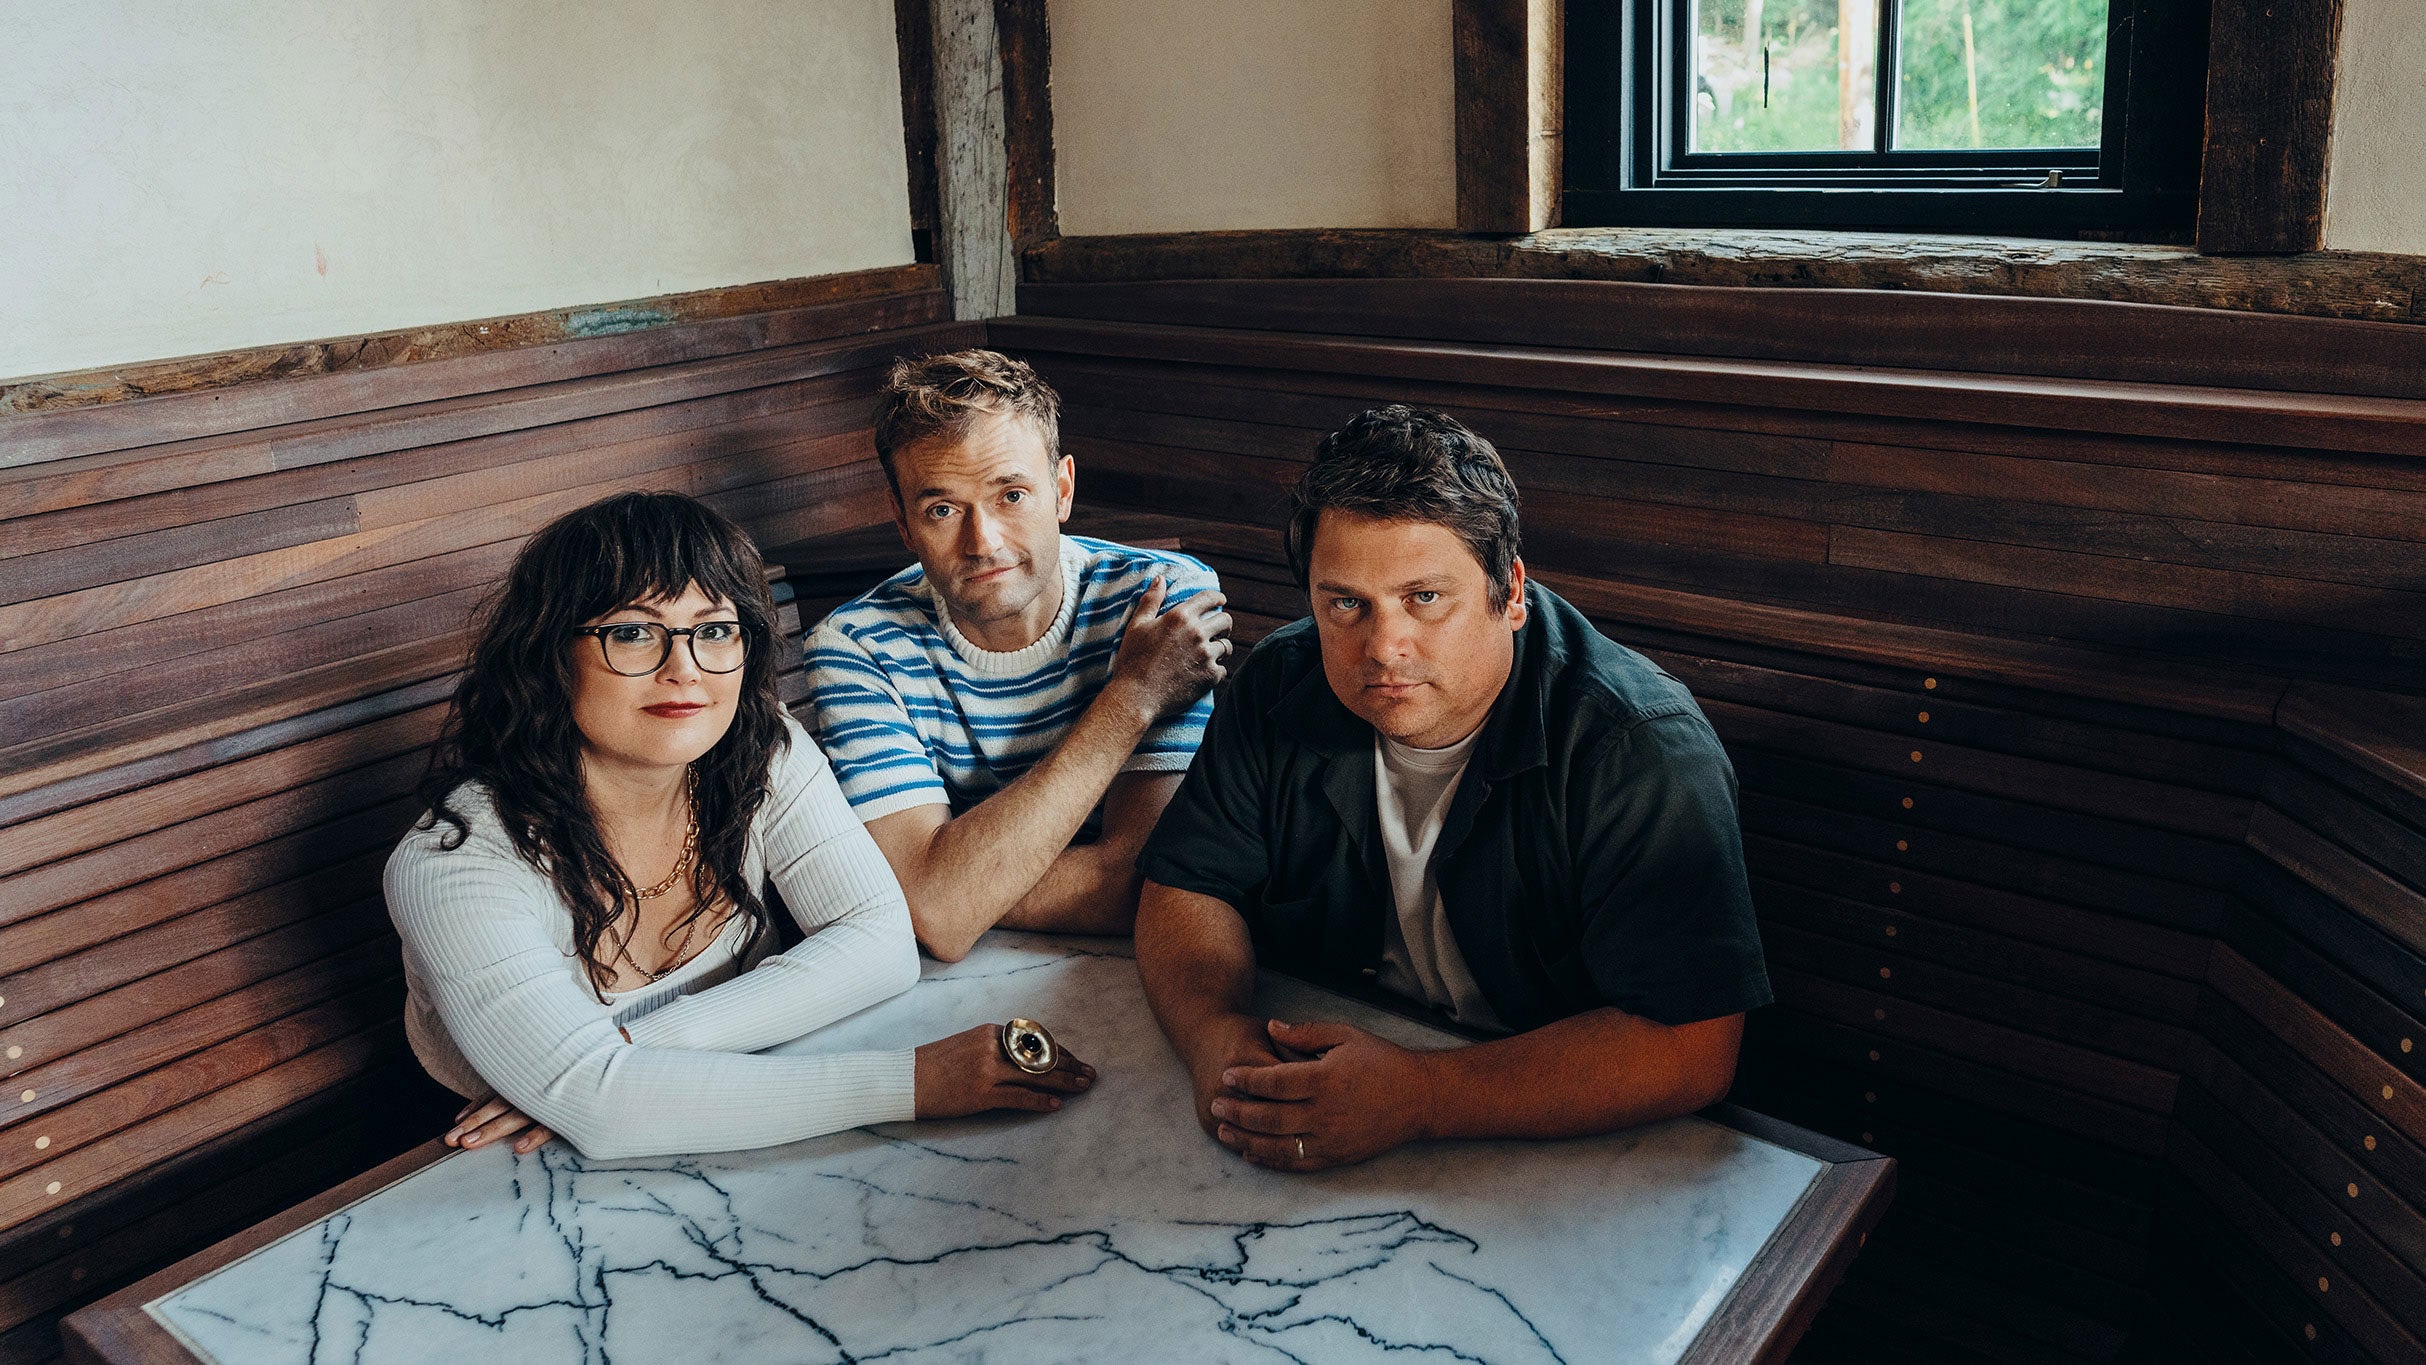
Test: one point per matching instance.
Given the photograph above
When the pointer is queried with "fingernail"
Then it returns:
(1232, 1076)
(1220, 1108)
(1052, 1104)
(1085, 1081)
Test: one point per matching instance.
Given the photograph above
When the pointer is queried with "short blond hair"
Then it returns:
(942, 395)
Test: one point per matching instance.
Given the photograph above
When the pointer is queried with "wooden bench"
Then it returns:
(229, 624)
(2089, 842)
(2071, 696)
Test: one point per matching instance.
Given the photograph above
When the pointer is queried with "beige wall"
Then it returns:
(1186, 115)
(2375, 191)
(184, 178)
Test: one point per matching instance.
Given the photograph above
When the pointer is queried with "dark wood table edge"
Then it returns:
(116, 1331)
(1773, 1302)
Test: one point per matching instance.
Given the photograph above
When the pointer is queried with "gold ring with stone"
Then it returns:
(1029, 1047)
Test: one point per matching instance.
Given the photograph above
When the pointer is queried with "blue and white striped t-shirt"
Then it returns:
(911, 713)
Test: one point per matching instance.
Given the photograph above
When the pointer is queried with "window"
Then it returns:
(2055, 117)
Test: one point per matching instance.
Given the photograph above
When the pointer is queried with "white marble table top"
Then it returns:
(1114, 1230)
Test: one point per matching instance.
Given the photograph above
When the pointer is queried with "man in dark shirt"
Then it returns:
(1449, 785)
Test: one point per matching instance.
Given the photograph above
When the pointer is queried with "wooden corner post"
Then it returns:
(2270, 72)
(1509, 113)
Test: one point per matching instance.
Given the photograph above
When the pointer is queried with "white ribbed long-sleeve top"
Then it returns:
(498, 1000)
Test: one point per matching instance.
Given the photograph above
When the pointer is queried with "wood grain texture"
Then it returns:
(205, 636)
(2350, 285)
(1884, 966)
(85, 1021)
(980, 265)
(190, 1215)
(434, 629)
(2067, 968)
(2375, 1082)
(2270, 78)
(2117, 407)
(2325, 1163)
(158, 806)
(1494, 114)
(222, 1111)
(2391, 1165)
(210, 1066)
(234, 620)
(2398, 910)
(1327, 399)
(117, 1330)
(2323, 1214)
(178, 465)
(2318, 1275)
(1934, 761)
(2384, 735)
(1883, 329)
(914, 42)
(588, 339)
(66, 980)
(1767, 1312)
(1027, 99)
(2122, 578)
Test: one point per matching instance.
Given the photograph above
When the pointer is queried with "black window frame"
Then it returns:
(1628, 109)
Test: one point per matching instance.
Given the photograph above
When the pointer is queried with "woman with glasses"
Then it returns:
(586, 947)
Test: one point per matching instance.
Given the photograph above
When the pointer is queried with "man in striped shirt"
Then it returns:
(979, 706)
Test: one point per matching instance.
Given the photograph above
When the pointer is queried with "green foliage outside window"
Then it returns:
(1771, 75)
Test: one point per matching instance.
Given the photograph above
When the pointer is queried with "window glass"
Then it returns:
(2000, 73)
(1784, 75)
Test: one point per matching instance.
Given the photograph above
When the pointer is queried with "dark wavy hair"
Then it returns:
(511, 726)
(1407, 464)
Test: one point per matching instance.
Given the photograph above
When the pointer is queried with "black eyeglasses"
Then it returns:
(638, 648)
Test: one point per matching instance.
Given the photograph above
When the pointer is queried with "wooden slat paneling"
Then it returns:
(229, 623)
(2079, 624)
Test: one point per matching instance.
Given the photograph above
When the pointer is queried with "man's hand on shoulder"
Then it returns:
(1169, 658)
(1354, 1097)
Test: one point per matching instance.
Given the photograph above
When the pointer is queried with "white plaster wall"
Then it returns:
(184, 177)
(2375, 187)
(1189, 115)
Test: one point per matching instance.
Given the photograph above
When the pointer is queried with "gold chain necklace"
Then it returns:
(682, 863)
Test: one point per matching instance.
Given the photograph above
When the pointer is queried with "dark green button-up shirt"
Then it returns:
(1591, 856)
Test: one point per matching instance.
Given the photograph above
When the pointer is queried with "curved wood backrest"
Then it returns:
(2089, 845)
(229, 622)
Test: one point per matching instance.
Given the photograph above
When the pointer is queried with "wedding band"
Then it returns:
(1301, 1149)
(1027, 1046)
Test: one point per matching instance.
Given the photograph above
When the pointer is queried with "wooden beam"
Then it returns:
(1508, 114)
(2370, 286)
(914, 42)
(979, 266)
(1027, 97)
(356, 355)
(2270, 75)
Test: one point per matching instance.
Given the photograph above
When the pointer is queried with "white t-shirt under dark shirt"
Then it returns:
(1420, 957)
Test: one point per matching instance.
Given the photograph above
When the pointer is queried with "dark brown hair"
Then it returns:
(511, 726)
(941, 395)
(1406, 464)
